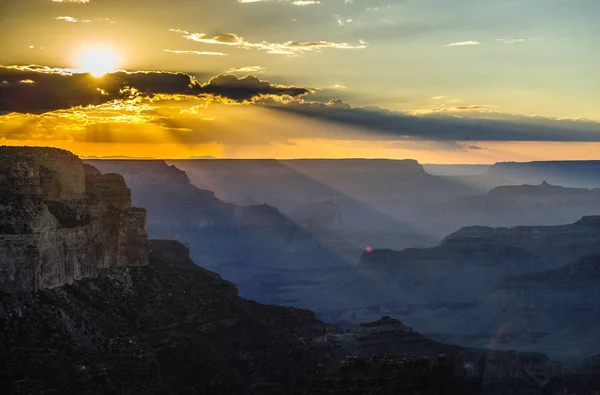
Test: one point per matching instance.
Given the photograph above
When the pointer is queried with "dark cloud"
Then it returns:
(248, 87)
(36, 89)
(446, 126)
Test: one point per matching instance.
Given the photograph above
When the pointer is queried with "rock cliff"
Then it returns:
(559, 245)
(517, 205)
(174, 327)
(558, 309)
(61, 220)
(153, 322)
(584, 174)
(163, 328)
(480, 279)
(265, 253)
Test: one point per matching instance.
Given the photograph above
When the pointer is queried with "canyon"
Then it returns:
(90, 305)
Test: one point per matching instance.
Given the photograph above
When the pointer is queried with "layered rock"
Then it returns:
(171, 327)
(555, 311)
(518, 205)
(434, 277)
(163, 328)
(559, 245)
(391, 203)
(482, 286)
(260, 249)
(390, 336)
(567, 173)
(324, 197)
(61, 220)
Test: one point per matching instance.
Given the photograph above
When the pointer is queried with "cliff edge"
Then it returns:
(61, 220)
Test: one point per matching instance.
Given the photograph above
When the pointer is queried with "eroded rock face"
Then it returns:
(265, 253)
(560, 245)
(61, 220)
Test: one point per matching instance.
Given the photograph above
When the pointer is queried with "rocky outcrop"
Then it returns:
(573, 289)
(559, 309)
(380, 201)
(61, 220)
(391, 203)
(390, 336)
(265, 253)
(508, 287)
(559, 245)
(155, 329)
(435, 276)
(174, 328)
(582, 174)
(516, 205)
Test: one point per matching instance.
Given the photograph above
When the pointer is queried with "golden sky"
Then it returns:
(471, 82)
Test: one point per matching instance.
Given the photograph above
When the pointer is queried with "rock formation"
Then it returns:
(559, 245)
(161, 328)
(102, 310)
(555, 311)
(389, 203)
(579, 174)
(61, 220)
(517, 205)
(508, 287)
(174, 327)
(265, 253)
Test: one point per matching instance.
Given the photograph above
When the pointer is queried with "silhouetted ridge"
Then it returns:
(586, 268)
(385, 322)
(383, 255)
(590, 220)
(568, 173)
(173, 252)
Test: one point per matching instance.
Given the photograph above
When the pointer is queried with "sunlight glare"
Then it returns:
(97, 61)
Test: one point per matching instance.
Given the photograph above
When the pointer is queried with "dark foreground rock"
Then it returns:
(175, 328)
(156, 329)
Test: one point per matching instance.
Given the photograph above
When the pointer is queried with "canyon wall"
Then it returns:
(61, 220)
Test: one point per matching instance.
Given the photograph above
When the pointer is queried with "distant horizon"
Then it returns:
(119, 157)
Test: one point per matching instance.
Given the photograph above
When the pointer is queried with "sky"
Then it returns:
(461, 81)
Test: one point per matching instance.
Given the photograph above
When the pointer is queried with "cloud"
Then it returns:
(305, 2)
(71, 1)
(180, 52)
(247, 69)
(341, 21)
(296, 2)
(448, 125)
(445, 109)
(51, 89)
(512, 40)
(71, 19)
(463, 43)
(248, 88)
(287, 48)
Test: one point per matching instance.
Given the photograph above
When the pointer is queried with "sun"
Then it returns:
(97, 60)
